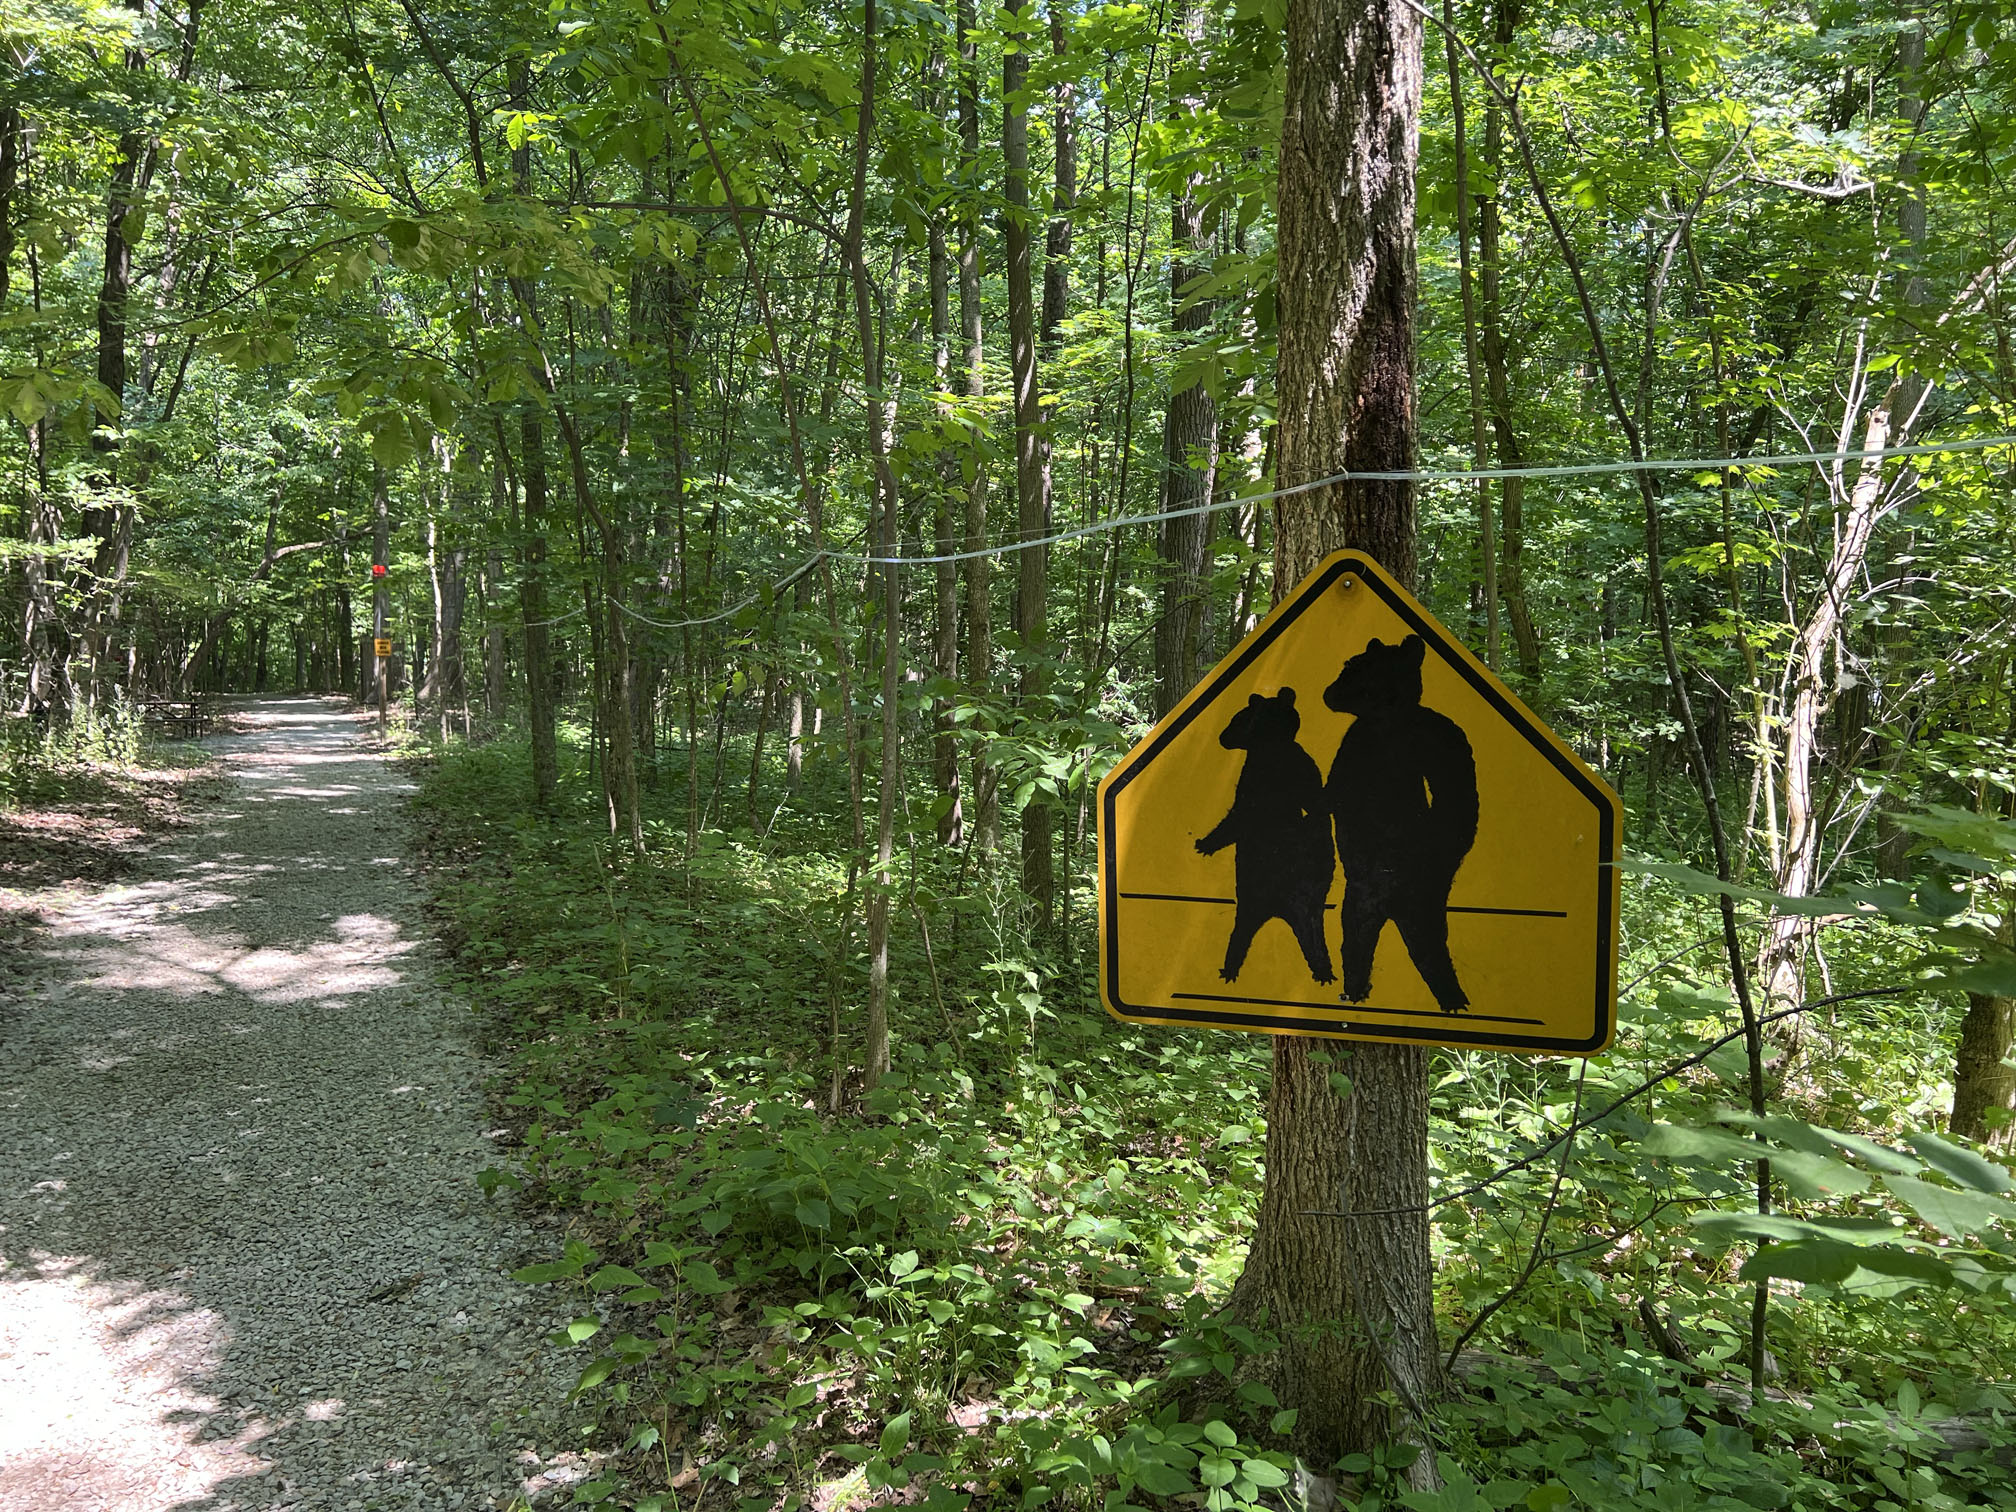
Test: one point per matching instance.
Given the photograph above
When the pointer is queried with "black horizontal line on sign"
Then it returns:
(1528, 913)
(1431, 1013)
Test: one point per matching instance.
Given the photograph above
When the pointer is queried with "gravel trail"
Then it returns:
(243, 1259)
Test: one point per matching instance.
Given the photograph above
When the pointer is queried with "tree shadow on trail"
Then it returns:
(243, 1256)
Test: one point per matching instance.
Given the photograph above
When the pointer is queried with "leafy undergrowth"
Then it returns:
(998, 1279)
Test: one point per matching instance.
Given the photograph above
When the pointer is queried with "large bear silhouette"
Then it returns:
(1279, 823)
(1403, 796)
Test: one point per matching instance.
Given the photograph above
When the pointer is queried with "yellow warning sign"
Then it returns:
(380, 646)
(1351, 828)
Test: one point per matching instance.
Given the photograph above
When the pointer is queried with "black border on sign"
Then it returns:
(1448, 1031)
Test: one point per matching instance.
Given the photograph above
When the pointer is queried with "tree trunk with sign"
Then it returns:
(1351, 1298)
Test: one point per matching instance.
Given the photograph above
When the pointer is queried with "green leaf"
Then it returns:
(596, 1374)
(1963, 830)
(612, 1276)
(1698, 1146)
(1809, 1260)
(552, 1270)
(1263, 1472)
(26, 403)
(1778, 1226)
(1954, 1214)
(1833, 1263)
(701, 1277)
(814, 1214)
(1689, 880)
(1881, 1156)
(1731, 1063)
(583, 1329)
(390, 444)
(903, 1264)
(1989, 976)
(1793, 1133)
(1812, 1177)
(1162, 1478)
(1964, 1166)
(1221, 1433)
(895, 1436)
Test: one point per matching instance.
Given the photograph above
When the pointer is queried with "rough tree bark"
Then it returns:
(446, 685)
(945, 575)
(626, 818)
(1983, 1084)
(110, 520)
(380, 667)
(1352, 1297)
(346, 620)
(1491, 347)
(532, 471)
(493, 636)
(1487, 532)
(1063, 192)
(979, 570)
(890, 785)
(10, 173)
(1032, 474)
(1189, 436)
(104, 515)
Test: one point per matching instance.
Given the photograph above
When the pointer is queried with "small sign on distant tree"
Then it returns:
(380, 646)
(1444, 877)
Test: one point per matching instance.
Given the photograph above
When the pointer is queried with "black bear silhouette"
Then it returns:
(1280, 826)
(1403, 795)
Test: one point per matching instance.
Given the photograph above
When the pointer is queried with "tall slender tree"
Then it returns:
(883, 481)
(973, 361)
(1493, 348)
(1032, 472)
(1190, 425)
(540, 710)
(945, 489)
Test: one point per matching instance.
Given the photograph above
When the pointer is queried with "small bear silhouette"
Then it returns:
(1278, 821)
(1402, 793)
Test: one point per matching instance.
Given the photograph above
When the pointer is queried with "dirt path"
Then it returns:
(243, 1258)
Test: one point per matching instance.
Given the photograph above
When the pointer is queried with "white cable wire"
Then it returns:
(558, 618)
(1452, 475)
(775, 588)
